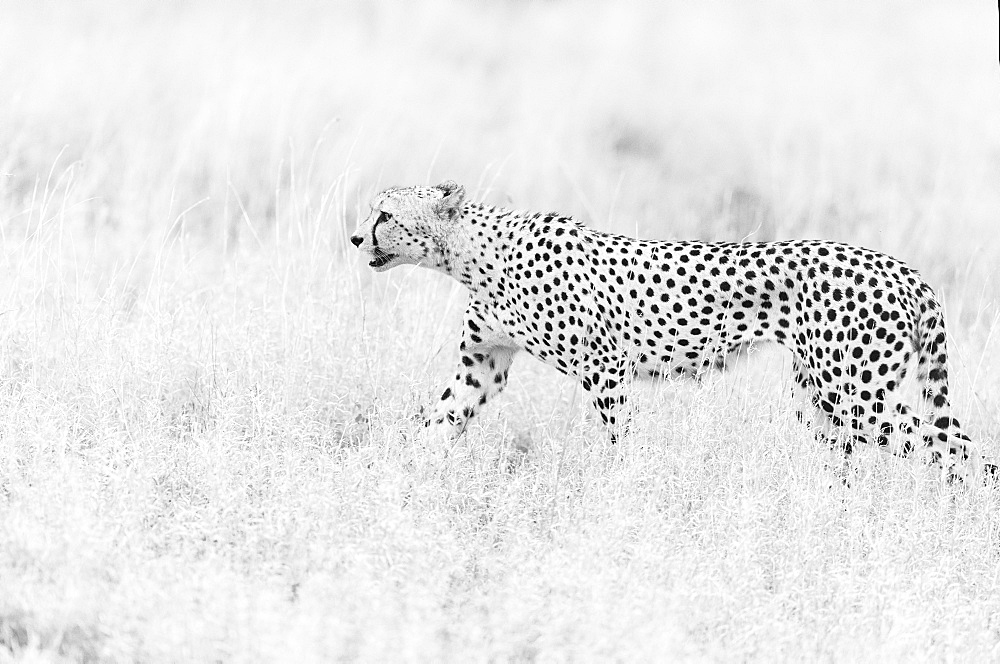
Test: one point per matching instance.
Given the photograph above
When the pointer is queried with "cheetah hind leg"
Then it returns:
(951, 448)
(944, 445)
(949, 451)
(837, 439)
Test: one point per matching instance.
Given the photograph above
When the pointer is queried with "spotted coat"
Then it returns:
(605, 308)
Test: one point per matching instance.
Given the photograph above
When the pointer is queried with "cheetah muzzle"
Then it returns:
(381, 258)
(607, 308)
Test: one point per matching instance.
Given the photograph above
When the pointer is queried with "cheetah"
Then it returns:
(607, 308)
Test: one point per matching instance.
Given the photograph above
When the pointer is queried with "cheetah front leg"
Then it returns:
(608, 390)
(613, 408)
(485, 359)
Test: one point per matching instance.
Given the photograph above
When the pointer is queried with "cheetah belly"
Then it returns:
(688, 329)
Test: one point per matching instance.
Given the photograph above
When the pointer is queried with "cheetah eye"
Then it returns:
(386, 216)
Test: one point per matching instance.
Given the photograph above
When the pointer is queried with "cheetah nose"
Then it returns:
(357, 240)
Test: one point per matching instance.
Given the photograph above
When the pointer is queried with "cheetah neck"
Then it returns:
(474, 251)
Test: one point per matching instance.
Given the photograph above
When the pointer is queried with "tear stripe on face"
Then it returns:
(381, 218)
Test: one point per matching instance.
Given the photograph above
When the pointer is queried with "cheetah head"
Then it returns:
(410, 226)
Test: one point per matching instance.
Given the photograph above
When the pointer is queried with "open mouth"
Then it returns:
(381, 259)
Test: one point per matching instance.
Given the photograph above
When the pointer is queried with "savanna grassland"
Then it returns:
(208, 403)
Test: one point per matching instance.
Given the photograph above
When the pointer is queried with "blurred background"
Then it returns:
(877, 123)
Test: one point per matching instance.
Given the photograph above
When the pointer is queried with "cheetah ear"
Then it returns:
(454, 195)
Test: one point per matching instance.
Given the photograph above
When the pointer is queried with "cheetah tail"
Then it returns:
(932, 372)
(932, 364)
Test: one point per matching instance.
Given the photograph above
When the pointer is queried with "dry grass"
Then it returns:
(207, 404)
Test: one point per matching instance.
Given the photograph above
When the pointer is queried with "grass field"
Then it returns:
(207, 403)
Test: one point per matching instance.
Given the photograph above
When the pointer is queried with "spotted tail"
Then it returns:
(932, 365)
(932, 372)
